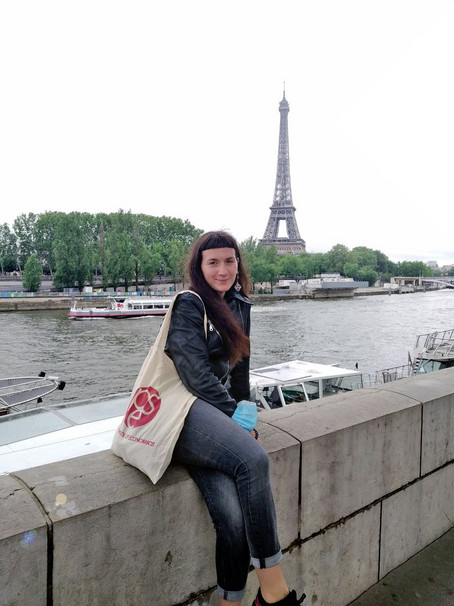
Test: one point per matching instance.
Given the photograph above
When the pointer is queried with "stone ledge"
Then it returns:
(357, 460)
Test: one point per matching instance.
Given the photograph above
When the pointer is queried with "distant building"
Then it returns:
(282, 208)
(432, 264)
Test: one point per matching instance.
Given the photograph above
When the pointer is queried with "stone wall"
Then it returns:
(362, 482)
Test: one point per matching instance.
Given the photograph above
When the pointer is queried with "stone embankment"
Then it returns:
(20, 302)
(362, 482)
(34, 303)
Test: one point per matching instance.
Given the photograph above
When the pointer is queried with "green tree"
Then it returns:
(165, 229)
(365, 257)
(255, 257)
(23, 227)
(352, 270)
(272, 265)
(336, 258)
(119, 265)
(248, 250)
(176, 259)
(320, 263)
(292, 266)
(151, 262)
(308, 265)
(32, 273)
(8, 251)
(367, 274)
(138, 248)
(413, 269)
(249, 245)
(73, 250)
(383, 265)
(100, 256)
(44, 231)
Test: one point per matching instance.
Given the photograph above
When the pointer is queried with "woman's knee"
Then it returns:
(228, 519)
(258, 461)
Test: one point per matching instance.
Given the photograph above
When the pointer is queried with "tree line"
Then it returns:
(78, 249)
(124, 249)
(360, 263)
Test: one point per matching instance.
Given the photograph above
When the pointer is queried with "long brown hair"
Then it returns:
(218, 310)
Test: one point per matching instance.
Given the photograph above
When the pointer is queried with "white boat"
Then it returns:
(433, 351)
(299, 381)
(58, 432)
(124, 307)
(17, 393)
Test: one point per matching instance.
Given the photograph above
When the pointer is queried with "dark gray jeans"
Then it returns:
(231, 470)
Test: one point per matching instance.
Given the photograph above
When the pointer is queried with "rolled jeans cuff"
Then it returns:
(267, 562)
(231, 596)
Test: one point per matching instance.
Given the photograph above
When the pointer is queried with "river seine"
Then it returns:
(101, 357)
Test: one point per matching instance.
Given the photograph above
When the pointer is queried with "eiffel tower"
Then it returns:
(282, 208)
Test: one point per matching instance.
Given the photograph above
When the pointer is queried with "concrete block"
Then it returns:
(355, 449)
(424, 388)
(437, 434)
(23, 547)
(416, 516)
(436, 393)
(119, 539)
(284, 455)
(334, 567)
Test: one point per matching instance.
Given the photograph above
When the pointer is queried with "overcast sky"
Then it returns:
(171, 108)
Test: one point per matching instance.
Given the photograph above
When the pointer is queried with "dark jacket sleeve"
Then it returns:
(187, 346)
(240, 387)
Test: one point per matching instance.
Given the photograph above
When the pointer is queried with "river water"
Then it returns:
(101, 357)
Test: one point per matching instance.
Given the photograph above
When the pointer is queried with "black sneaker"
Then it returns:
(289, 600)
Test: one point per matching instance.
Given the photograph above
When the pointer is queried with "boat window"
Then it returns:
(341, 384)
(271, 395)
(87, 412)
(332, 386)
(294, 393)
(22, 426)
(430, 366)
(352, 382)
(39, 421)
(255, 397)
(312, 389)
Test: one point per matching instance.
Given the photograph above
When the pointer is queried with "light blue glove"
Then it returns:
(246, 415)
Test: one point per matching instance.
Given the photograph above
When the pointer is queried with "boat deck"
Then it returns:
(59, 432)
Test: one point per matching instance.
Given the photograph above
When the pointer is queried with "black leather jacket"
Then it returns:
(202, 362)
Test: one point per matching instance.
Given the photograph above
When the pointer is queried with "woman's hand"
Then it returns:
(255, 434)
(245, 415)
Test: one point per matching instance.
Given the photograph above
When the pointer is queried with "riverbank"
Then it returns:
(18, 301)
(34, 303)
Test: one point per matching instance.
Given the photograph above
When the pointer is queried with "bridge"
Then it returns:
(447, 282)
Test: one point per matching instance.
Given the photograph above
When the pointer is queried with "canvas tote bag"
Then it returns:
(156, 410)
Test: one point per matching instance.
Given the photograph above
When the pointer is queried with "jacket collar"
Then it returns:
(234, 294)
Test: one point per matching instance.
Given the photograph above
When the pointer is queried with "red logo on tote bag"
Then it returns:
(144, 406)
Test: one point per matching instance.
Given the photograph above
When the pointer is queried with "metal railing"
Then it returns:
(440, 343)
(387, 375)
